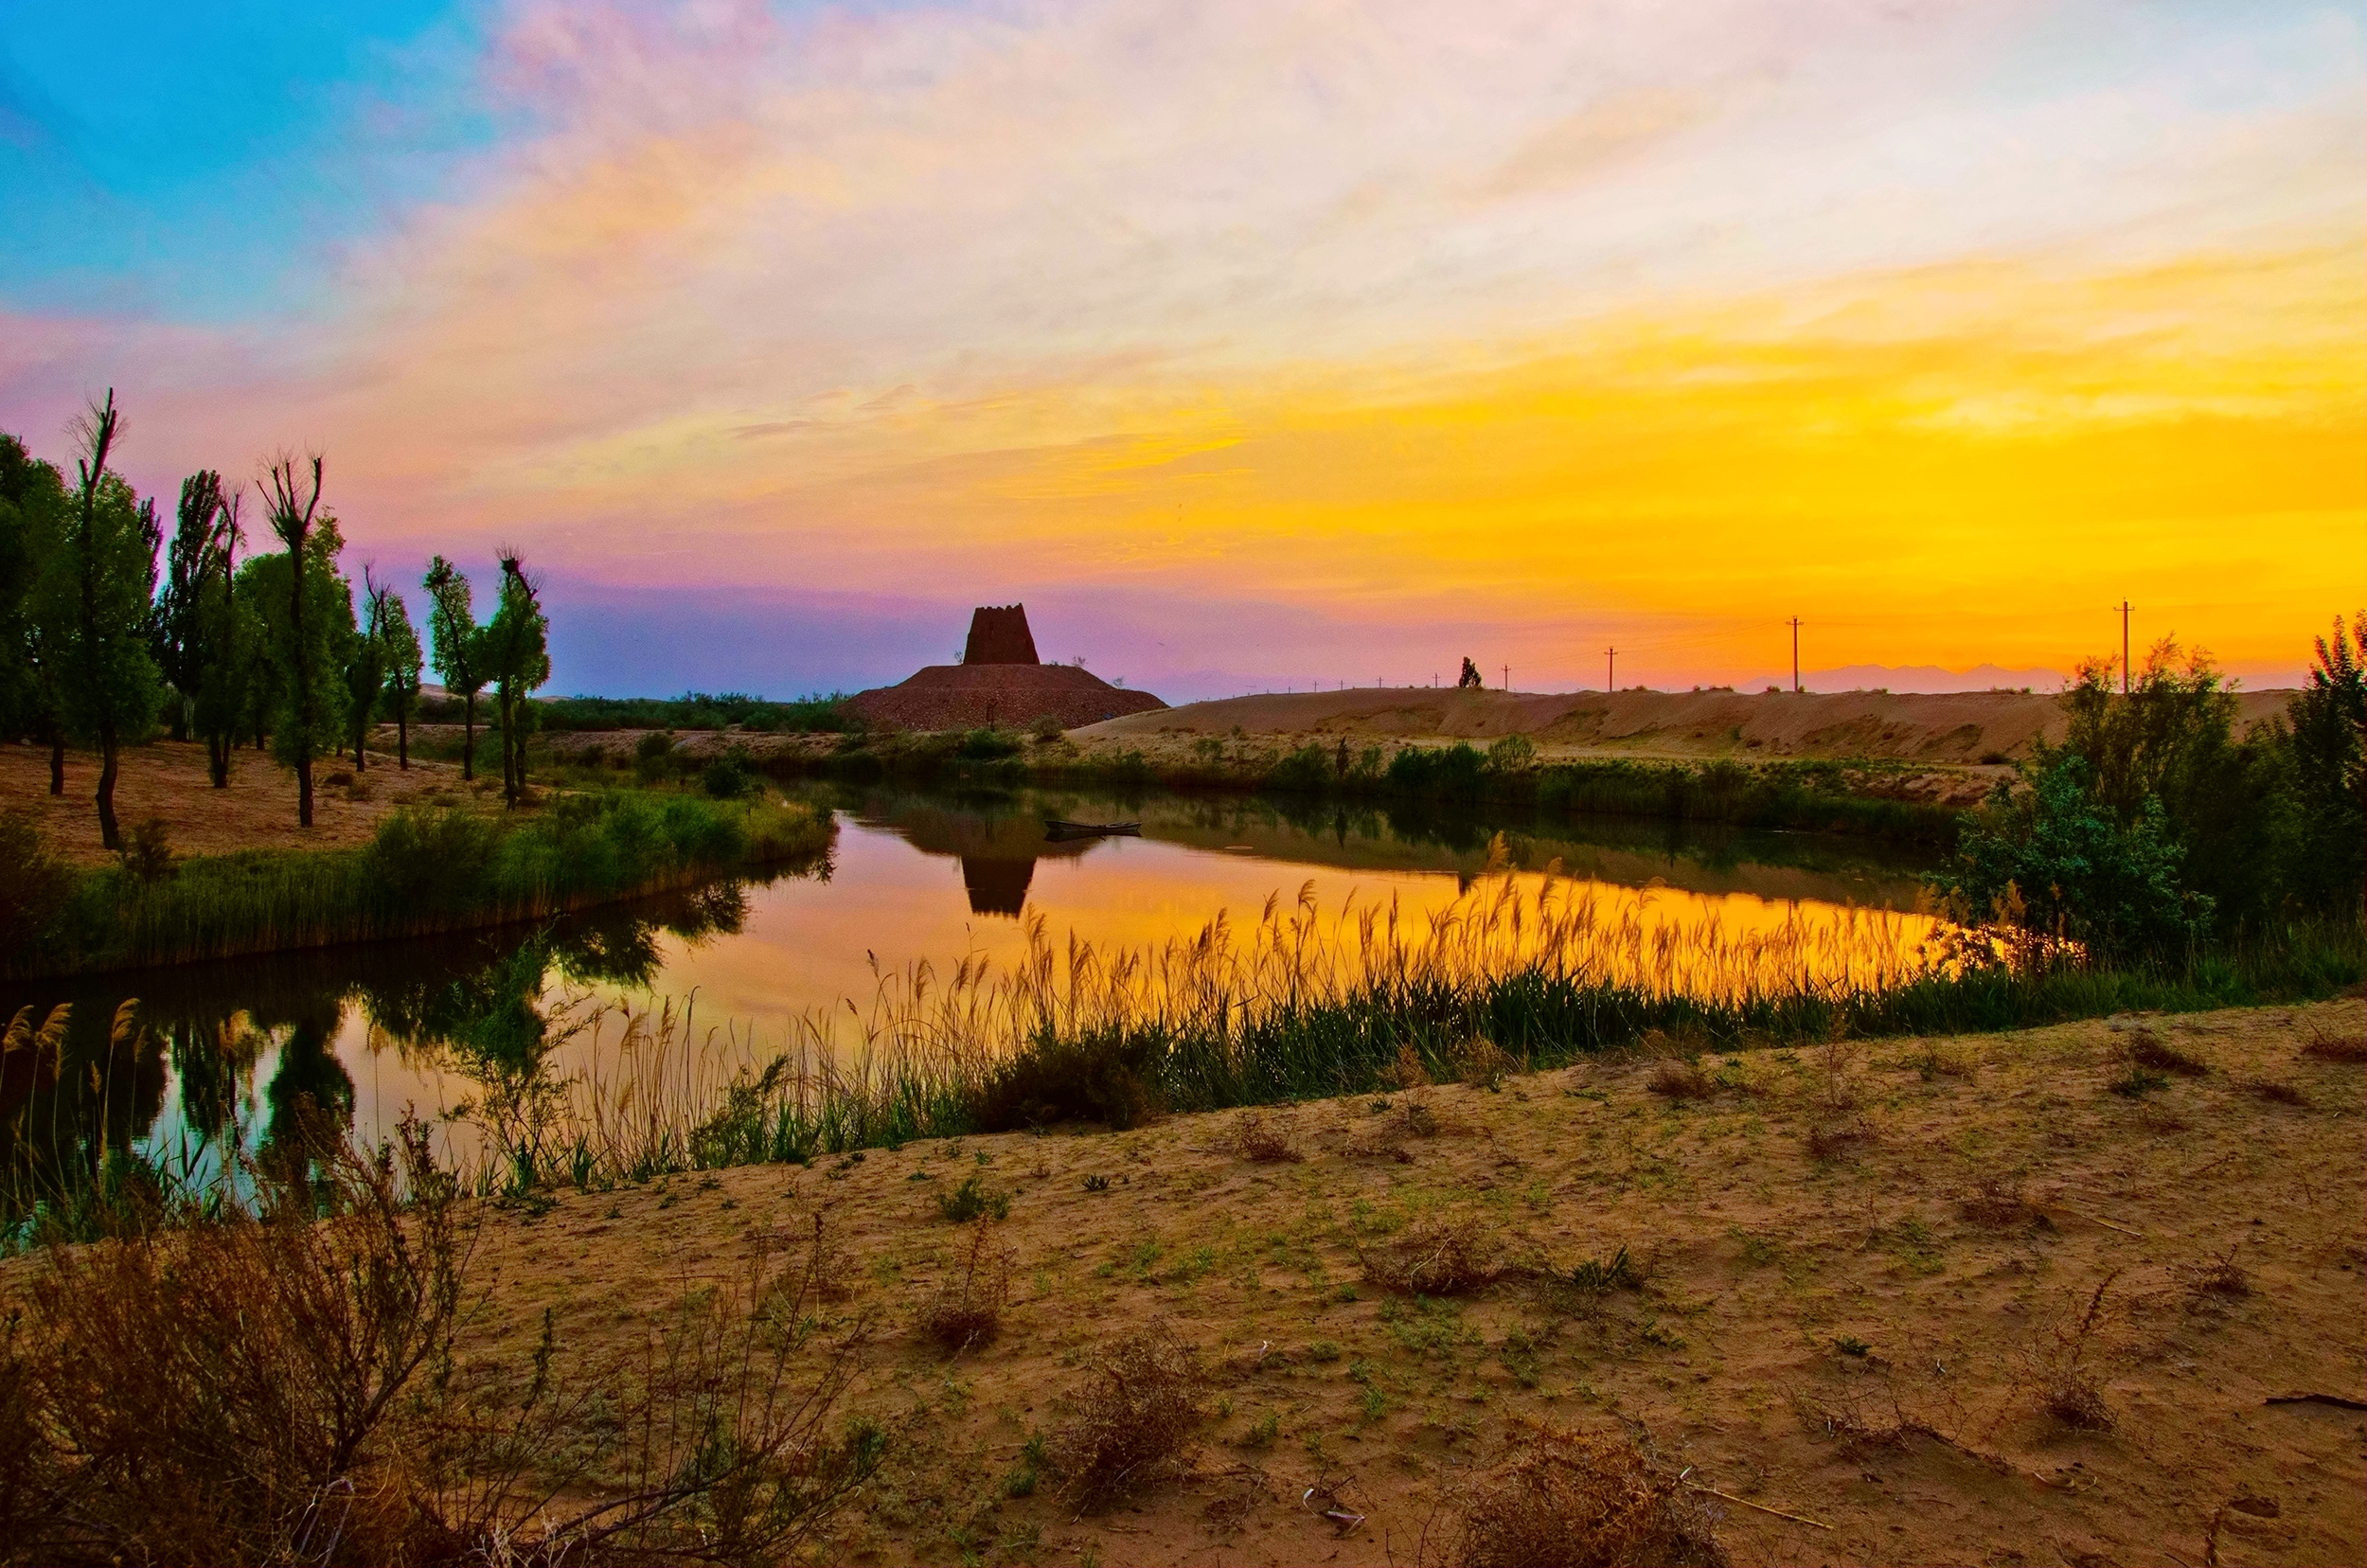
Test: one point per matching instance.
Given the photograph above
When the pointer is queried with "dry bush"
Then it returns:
(2144, 1048)
(1831, 1143)
(284, 1389)
(1998, 1204)
(2326, 1047)
(1435, 1255)
(1935, 1060)
(1134, 1415)
(1848, 1423)
(2274, 1093)
(1680, 1080)
(1263, 1143)
(1406, 1071)
(815, 1263)
(968, 1308)
(2061, 1365)
(1836, 1062)
(1483, 1063)
(1564, 1499)
(2220, 1277)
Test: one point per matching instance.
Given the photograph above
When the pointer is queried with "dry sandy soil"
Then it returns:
(1944, 728)
(1848, 1341)
(256, 812)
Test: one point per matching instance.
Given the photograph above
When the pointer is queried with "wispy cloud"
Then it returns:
(1407, 314)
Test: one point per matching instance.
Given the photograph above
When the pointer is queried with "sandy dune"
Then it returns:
(1856, 1341)
(1948, 728)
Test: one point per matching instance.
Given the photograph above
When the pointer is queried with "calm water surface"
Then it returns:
(367, 1032)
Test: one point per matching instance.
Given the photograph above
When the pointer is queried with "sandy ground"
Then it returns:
(256, 812)
(1945, 729)
(1844, 1342)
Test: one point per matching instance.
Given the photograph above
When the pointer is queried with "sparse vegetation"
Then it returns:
(1435, 1255)
(968, 1308)
(1560, 1496)
(1139, 1407)
(1264, 1142)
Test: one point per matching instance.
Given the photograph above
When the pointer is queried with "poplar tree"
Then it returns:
(365, 670)
(520, 661)
(400, 642)
(96, 601)
(179, 646)
(311, 716)
(33, 509)
(229, 638)
(459, 644)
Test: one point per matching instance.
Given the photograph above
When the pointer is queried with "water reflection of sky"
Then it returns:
(914, 878)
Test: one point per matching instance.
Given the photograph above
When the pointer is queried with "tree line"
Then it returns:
(111, 629)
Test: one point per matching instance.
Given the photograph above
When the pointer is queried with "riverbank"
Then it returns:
(436, 863)
(2093, 1285)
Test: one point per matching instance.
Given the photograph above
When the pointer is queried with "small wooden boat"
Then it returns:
(1055, 828)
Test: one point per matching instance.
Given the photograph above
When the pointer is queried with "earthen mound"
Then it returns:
(947, 697)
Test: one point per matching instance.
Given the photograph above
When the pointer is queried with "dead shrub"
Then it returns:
(967, 1307)
(1134, 1415)
(2219, 1276)
(1483, 1063)
(2144, 1048)
(285, 1389)
(1937, 1061)
(2061, 1365)
(1435, 1255)
(2275, 1093)
(1263, 1143)
(1680, 1080)
(1407, 1071)
(1998, 1204)
(1564, 1499)
(1852, 1430)
(2326, 1047)
(1834, 1143)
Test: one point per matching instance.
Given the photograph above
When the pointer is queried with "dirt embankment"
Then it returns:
(1900, 1301)
(257, 811)
(1944, 728)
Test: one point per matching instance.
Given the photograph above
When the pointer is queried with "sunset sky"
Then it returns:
(1249, 343)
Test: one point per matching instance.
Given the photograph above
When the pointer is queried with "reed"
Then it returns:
(1303, 1003)
(428, 871)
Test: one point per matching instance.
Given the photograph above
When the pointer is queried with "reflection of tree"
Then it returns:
(212, 1058)
(311, 1099)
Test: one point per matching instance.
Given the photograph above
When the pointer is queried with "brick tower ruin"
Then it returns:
(999, 636)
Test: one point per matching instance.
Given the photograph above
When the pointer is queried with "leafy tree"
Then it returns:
(399, 641)
(306, 606)
(180, 623)
(33, 512)
(229, 640)
(2054, 860)
(94, 600)
(2326, 756)
(1470, 676)
(517, 642)
(459, 644)
(365, 670)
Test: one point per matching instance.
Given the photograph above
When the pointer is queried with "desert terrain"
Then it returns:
(1958, 727)
(1950, 1300)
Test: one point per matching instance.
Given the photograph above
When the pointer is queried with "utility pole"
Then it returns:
(2125, 609)
(1611, 662)
(1795, 655)
(1508, 677)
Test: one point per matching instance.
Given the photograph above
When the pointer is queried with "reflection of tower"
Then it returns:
(997, 887)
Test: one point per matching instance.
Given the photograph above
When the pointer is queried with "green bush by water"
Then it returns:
(428, 870)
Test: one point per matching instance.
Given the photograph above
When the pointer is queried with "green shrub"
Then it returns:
(730, 776)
